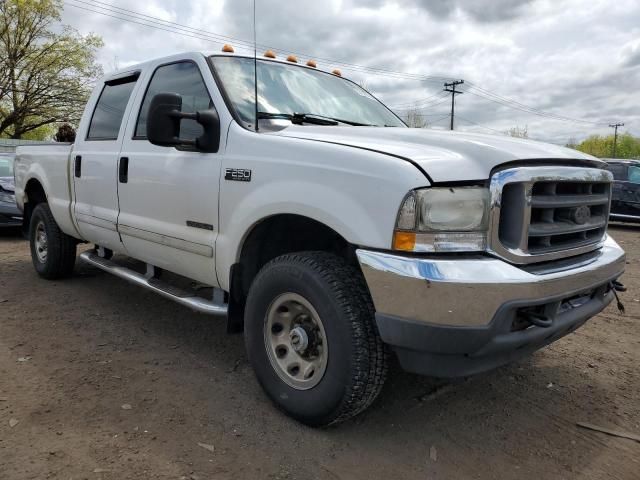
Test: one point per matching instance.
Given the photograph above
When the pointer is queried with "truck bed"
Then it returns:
(48, 164)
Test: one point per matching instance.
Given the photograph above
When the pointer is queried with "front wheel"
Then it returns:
(312, 340)
(53, 252)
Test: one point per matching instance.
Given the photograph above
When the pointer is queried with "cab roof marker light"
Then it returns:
(337, 73)
(292, 59)
(269, 54)
(312, 64)
(226, 48)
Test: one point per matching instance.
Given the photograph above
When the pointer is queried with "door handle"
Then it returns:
(77, 166)
(123, 170)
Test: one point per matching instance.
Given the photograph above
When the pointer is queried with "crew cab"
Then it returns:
(329, 232)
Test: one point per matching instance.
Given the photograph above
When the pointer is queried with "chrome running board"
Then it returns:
(184, 297)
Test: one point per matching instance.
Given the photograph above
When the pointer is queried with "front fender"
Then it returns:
(354, 192)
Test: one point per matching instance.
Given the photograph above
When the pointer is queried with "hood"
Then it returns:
(443, 155)
(7, 184)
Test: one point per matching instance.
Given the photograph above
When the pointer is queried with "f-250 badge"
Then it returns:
(237, 174)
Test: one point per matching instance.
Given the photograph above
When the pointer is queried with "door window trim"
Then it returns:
(146, 90)
(127, 78)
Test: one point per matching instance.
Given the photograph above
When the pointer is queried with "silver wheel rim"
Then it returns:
(296, 341)
(41, 243)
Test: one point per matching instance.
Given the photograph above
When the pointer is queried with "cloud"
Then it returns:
(572, 58)
(630, 54)
(478, 10)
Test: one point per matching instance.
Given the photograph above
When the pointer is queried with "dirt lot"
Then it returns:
(108, 381)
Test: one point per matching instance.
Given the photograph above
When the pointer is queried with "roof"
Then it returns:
(624, 161)
(140, 66)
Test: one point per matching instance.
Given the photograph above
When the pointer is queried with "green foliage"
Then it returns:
(44, 132)
(46, 70)
(602, 146)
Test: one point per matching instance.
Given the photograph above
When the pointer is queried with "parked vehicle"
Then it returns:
(625, 201)
(334, 235)
(10, 215)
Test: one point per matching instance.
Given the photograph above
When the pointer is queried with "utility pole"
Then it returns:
(451, 87)
(615, 136)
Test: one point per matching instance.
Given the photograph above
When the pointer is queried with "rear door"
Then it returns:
(95, 160)
(169, 196)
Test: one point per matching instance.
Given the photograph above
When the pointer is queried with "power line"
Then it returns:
(510, 103)
(180, 29)
(479, 125)
(415, 103)
(451, 87)
(150, 21)
(431, 105)
(441, 118)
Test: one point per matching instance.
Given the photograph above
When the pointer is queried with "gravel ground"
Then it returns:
(103, 380)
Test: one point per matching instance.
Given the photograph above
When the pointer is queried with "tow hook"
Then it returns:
(538, 319)
(616, 287)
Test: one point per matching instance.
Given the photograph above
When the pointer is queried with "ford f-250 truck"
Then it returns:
(330, 233)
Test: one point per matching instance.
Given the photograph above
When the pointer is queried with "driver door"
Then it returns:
(169, 196)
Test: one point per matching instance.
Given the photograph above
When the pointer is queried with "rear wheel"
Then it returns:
(52, 251)
(311, 338)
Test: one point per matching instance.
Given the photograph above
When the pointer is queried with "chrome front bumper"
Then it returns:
(468, 292)
(452, 317)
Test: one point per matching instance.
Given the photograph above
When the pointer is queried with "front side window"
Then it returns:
(288, 89)
(634, 174)
(184, 79)
(107, 116)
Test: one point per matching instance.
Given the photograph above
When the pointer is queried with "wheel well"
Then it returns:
(272, 237)
(34, 194)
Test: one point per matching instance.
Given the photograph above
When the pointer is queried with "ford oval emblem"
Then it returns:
(581, 214)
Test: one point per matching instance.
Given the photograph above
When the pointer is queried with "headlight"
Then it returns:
(6, 197)
(443, 220)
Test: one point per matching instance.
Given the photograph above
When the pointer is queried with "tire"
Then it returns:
(57, 258)
(355, 365)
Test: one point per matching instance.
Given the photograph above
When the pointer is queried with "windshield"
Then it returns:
(289, 89)
(6, 167)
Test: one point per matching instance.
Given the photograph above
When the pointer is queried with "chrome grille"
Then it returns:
(546, 213)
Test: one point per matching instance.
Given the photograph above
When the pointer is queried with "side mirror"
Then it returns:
(163, 124)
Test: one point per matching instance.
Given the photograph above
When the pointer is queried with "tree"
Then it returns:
(518, 132)
(602, 146)
(46, 70)
(415, 119)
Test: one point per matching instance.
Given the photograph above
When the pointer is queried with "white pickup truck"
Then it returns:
(330, 233)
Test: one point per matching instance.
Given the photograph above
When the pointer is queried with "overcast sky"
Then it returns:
(576, 58)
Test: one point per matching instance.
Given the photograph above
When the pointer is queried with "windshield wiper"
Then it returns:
(299, 118)
(314, 118)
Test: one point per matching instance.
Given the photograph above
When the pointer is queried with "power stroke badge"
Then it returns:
(237, 174)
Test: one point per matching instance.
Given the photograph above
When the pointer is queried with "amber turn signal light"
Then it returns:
(405, 241)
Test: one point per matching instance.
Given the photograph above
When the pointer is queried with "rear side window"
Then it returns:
(618, 171)
(107, 117)
(183, 78)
